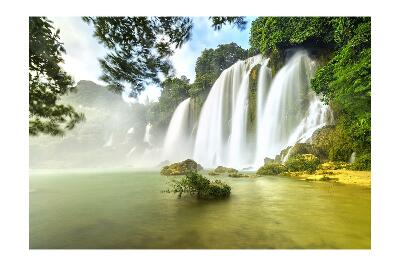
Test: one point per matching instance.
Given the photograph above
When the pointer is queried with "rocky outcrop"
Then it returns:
(181, 168)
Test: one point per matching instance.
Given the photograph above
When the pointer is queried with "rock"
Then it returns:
(268, 160)
(222, 170)
(181, 168)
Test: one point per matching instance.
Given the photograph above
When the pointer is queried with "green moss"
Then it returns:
(302, 162)
(181, 168)
(197, 185)
(272, 169)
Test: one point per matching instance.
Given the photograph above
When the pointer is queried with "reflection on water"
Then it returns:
(128, 210)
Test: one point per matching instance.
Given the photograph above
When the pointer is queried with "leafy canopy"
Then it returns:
(140, 47)
(48, 81)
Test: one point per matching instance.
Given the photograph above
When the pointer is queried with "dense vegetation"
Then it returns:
(342, 45)
(197, 185)
(48, 82)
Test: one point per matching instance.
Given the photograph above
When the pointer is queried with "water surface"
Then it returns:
(126, 209)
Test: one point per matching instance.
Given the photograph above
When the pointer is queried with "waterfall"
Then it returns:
(287, 112)
(177, 142)
(292, 110)
(147, 135)
(222, 125)
(263, 84)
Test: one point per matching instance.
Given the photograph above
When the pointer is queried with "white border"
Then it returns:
(14, 200)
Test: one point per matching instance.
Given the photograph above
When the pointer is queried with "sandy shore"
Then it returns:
(361, 178)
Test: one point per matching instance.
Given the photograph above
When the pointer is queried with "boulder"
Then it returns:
(181, 168)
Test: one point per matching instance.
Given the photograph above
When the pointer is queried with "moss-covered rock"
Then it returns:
(272, 169)
(181, 168)
(222, 170)
(301, 148)
(303, 162)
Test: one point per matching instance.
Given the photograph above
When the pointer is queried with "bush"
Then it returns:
(303, 162)
(271, 169)
(181, 168)
(197, 185)
(363, 162)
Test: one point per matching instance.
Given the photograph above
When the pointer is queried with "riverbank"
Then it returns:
(343, 176)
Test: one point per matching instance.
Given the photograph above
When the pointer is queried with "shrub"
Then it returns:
(197, 185)
(271, 169)
(303, 162)
(363, 162)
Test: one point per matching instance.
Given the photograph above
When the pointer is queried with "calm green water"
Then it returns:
(127, 210)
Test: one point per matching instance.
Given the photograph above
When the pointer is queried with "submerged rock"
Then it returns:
(181, 168)
(238, 175)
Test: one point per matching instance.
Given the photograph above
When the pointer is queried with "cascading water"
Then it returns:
(292, 110)
(177, 141)
(222, 125)
(263, 85)
(287, 112)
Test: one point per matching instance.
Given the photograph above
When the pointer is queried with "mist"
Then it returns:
(113, 135)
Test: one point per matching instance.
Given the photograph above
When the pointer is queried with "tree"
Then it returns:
(140, 47)
(48, 81)
(210, 65)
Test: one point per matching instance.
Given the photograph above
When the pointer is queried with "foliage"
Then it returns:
(181, 168)
(140, 47)
(174, 91)
(218, 22)
(222, 169)
(343, 45)
(272, 169)
(197, 185)
(210, 65)
(303, 162)
(48, 81)
(362, 162)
